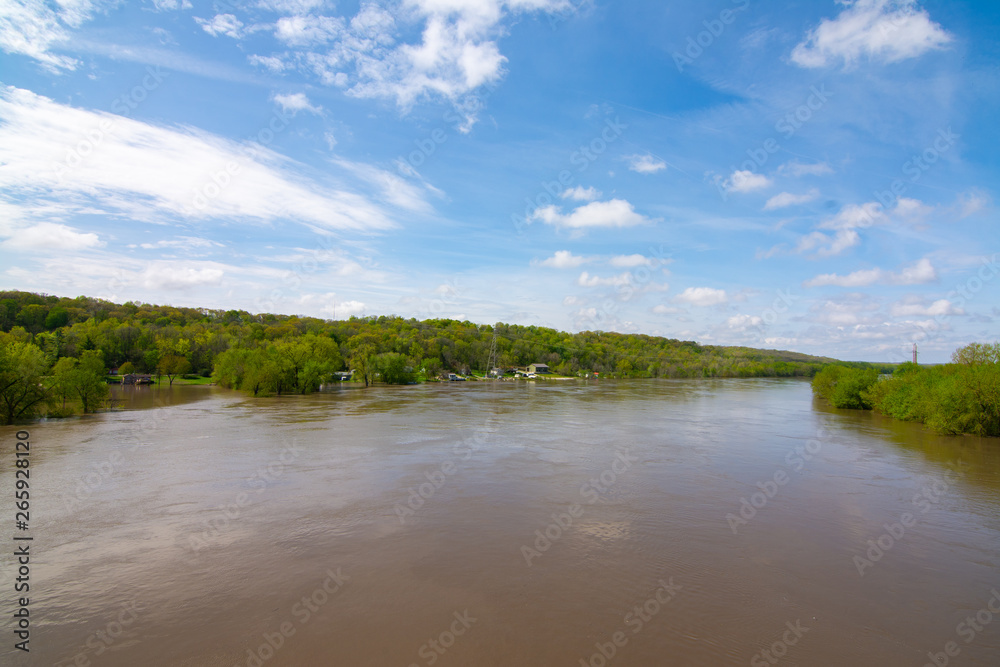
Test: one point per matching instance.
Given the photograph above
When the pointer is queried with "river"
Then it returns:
(704, 523)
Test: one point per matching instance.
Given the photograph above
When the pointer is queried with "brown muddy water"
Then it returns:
(730, 522)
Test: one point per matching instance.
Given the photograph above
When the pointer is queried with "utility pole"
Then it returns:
(914, 353)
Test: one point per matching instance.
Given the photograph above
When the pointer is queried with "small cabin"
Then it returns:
(538, 369)
(136, 378)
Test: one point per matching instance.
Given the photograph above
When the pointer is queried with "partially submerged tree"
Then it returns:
(83, 378)
(21, 388)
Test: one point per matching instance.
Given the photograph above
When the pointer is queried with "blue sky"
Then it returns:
(816, 176)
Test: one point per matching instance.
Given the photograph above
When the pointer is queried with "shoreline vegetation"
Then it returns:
(57, 354)
(962, 397)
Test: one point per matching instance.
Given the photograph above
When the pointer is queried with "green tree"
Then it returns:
(392, 369)
(173, 365)
(84, 379)
(126, 369)
(21, 390)
(57, 317)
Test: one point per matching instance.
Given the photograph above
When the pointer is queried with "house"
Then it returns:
(538, 369)
(135, 378)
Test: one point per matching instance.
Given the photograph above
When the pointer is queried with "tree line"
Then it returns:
(960, 397)
(263, 354)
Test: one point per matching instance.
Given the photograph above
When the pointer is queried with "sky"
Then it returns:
(815, 176)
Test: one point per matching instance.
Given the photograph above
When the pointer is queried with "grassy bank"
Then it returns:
(960, 397)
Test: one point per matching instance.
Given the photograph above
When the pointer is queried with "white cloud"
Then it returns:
(580, 193)
(222, 24)
(630, 261)
(345, 309)
(171, 5)
(744, 322)
(746, 181)
(786, 199)
(883, 30)
(666, 310)
(828, 246)
(587, 280)
(939, 308)
(845, 225)
(291, 6)
(157, 174)
(51, 236)
(170, 276)
(295, 102)
(308, 30)
(614, 213)
(272, 63)
(187, 243)
(702, 296)
(33, 27)
(645, 164)
(970, 203)
(417, 49)
(796, 168)
(920, 273)
(563, 259)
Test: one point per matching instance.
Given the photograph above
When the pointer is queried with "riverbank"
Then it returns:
(962, 397)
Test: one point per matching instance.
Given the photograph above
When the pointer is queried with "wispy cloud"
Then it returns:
(222, 24)
(918, 274)
(33, 27)
(796, 168)
(786, 199)
(158, 174)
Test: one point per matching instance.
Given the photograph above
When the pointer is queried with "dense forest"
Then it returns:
(266, 354)
(960, 397)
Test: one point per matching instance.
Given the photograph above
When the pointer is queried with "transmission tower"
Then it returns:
(492, 361)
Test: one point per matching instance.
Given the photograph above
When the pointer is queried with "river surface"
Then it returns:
(521, 524)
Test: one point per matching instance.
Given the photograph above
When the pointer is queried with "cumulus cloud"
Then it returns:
(295, 102)
(743, 181)
(563, 259)
(744, 322)
(614, 213)
(702, 296)
(631, 261)
(580, 193)
(920, 273)
(844, 227)
(406, 52)
(645, 164)
(786, 199)
(884, 31)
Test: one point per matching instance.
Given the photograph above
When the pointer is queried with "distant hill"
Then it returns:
(143, 334)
